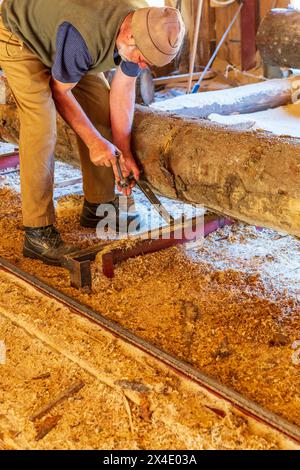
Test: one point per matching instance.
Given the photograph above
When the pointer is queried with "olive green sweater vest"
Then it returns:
(36, 23)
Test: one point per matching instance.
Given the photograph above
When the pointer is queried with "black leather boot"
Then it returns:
(45, 244)
(125, 219)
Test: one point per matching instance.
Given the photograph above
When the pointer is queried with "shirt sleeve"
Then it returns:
(72, 59)
(130, 69)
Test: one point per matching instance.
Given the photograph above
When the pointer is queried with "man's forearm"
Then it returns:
(101, 151)
(71, 111)
(122, 102)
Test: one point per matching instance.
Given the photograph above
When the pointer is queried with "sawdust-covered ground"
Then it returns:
(125, 401)
(230, 307)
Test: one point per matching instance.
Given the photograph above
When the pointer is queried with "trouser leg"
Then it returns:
(29, 81)
(92, 93)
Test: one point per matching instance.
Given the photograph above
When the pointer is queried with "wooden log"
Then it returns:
(278, 38)
(250, 176)
(245, 99)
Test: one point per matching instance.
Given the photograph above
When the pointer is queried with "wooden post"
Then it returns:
(231, 49)
(195, 44)
(249, 25)
(208, 33)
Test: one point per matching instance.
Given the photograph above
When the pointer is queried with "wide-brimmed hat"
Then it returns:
(158, 33)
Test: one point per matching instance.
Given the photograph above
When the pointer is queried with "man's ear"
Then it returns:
(130, 39)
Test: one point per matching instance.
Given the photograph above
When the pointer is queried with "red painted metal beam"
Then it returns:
(79, 263)
(249, 26)
(177, 237)
(9, 160)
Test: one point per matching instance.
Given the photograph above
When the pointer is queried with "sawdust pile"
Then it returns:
(230, 323)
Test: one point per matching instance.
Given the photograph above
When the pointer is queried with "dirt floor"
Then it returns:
(229, 307)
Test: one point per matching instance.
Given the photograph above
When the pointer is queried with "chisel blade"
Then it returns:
(155, 202)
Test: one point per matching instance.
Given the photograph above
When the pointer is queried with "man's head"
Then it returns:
(151, 36)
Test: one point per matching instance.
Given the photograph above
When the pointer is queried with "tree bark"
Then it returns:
(278, 38)
(250, 176)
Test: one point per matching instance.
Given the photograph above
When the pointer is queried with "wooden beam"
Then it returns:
(231, 49)
(181, 78)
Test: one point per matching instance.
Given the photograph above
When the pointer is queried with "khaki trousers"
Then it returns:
(29, 80)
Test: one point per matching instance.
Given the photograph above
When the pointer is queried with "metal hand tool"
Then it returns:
(145, 188)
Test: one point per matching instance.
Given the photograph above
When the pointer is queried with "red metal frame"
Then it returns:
(177, 237)
(79, 263)
(9, 160)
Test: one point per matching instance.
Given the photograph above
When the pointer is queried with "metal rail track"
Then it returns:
(239, 402)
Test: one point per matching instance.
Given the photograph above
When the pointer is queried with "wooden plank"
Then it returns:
(181, 78)
(266, 5)
(207, 33)
(231, 49)
(187, 11)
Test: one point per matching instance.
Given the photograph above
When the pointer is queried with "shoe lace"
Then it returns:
(51, 233)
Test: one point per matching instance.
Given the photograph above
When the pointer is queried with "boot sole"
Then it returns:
(33, 255)
(86, 223)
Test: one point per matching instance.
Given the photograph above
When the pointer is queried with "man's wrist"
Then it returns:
(125, 148)
(127, 154)
(95, 140)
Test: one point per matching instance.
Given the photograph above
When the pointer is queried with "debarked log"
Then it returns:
(243, 99)
(248, 175)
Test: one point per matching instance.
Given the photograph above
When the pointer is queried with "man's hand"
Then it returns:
(103, 153)
(129, 168)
